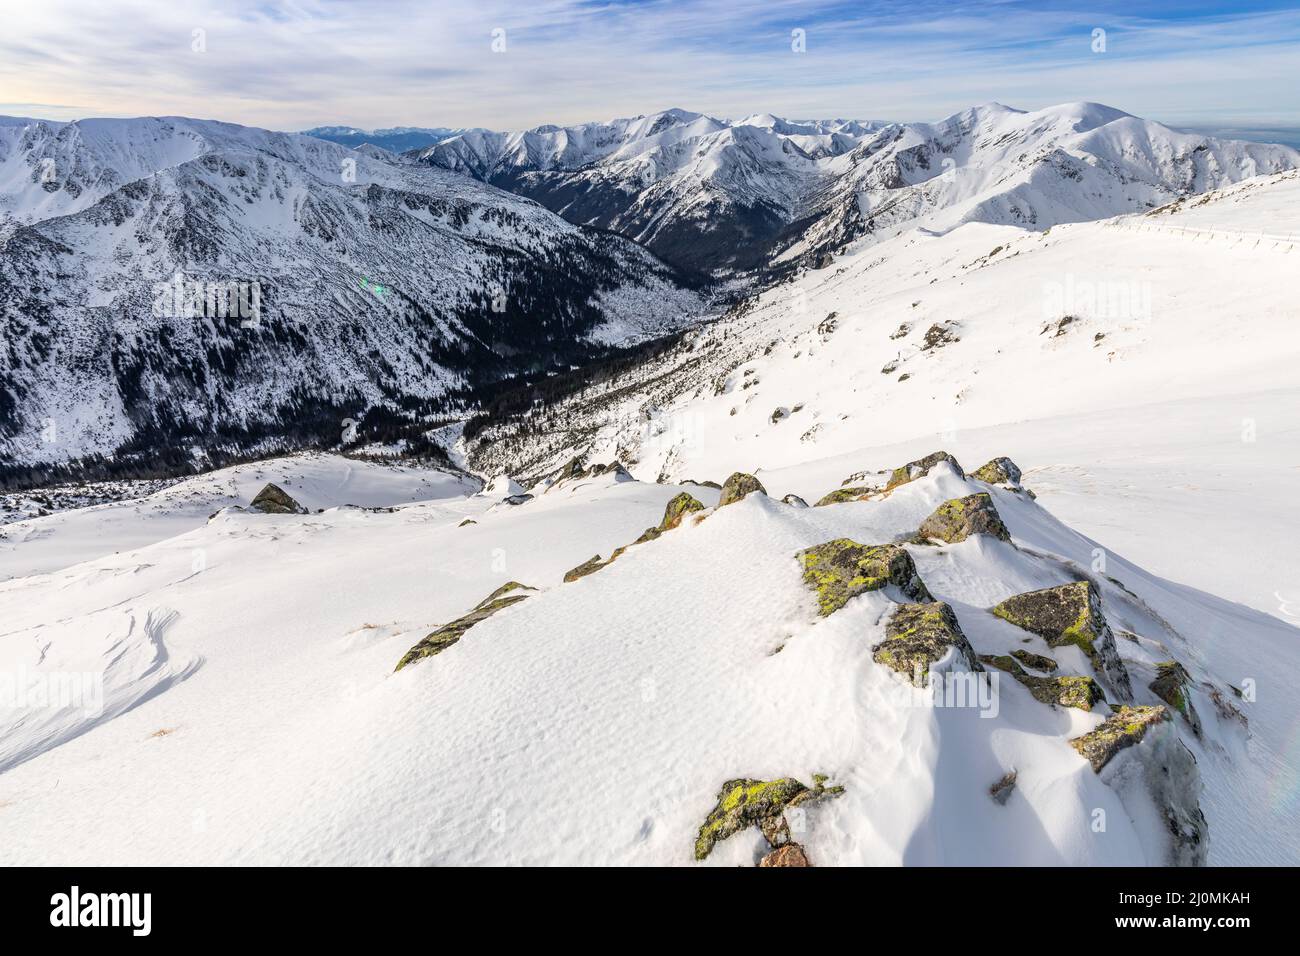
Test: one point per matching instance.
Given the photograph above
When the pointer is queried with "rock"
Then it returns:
(573, 468)
(1072, 691)
(1172, 685)
(444, 637)
(1124, 728)
(702, 484)
(1137, 753)
(841, 495)
(745, 802)
(918, 635)
(738, 486)
(919, 468)
(1037, 661)
(839, 570)
(778, 414)
(1001, 791)
(828, 325)
(958, 519)
(501, 486)
(794, 501)
(677, 509)
(593, 563)
(901, 331)
(791, 854)
(517, 499)
(1070, 614)
(274, 500)
(939, 335)
(999, 471)
(466, 521)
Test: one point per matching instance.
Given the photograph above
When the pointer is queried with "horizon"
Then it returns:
(388, 63)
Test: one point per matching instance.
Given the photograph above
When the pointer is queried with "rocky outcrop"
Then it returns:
(1138, 754)
(274, 500)
(918, 635)
(919, 469)
(1079, 692)
(841, 495)
(1002, 790)
(794, 501)
(467, 521)
(444, 637)
(677, 509)
(593, 563)
(999, 471)
(791, 854)
(1070, 614)
(738, 486)
(959, 518)
(745, 802)
(1172, 685)
(839, 570)
(1037, 661)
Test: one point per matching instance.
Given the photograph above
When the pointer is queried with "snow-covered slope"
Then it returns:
(363, 282)
(251, 713)
(764, 191)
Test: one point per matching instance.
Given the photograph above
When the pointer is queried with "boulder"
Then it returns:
(592, 564)
(794, 501)
(841, 495)
(919, 468)
(274, 500)
(1172, 685)
(841, 569)
(918, 635)
(466, 521)
(999, 471)
(746, 802)
(444, 637)
(959, 518)
(677, 509)
(791, 854)
(1070, 614)
(738, 486)
(778, 414)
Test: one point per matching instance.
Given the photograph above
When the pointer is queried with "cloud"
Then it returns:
(295, 63)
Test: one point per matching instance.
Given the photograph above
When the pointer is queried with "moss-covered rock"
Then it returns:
(738, 486)
(919, 468)
(999, 471)
(1070, 614)
(959, 518)
(1037, 661)
(274, 500)
(746, 802)
(791, 854)
(1080, 692)
(444, 637)
(841, 495)
(841, 569)
(1172, 685)
(1124, 728)
(593, 563)
(794, 501)
(918, 635)
(677, 509)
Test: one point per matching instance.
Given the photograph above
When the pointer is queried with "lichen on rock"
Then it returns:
(746, 802)
(274, 500)
(959, 518)
(593, 563)
(841, 495)
(1037, 661)
(1172, 685)
(918, 635)
(841, 569)
(444, 637)
(738, 486)
(999, 471)
(1070, 691)
(677, 509)
(1124, 728)
(919, 468)
(1071, 614)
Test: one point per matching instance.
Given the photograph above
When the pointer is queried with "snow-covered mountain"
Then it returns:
(764, 191)
(394, 139)
(180, 283)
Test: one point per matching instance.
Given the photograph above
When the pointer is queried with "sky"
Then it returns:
(295, 64)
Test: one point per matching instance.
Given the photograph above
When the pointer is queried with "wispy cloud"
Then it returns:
(297, 63)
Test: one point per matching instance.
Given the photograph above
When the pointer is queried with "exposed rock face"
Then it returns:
(794, 501)
(1079, 692)
(1037, 661)
(792, 854)
(593, 563)
(959, 518)
(274, 500)
(447, 635)
(573, 468)
(677, 509)
(738, 486)
(841, 569)
(999, 471)
(841, 495)
(1002, 790)
(919, 468)
(918, 635)
(1138, 754)
(1171, 685)
(1071, 614)
(745, 802)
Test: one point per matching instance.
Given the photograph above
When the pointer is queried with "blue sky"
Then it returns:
(292, 64)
